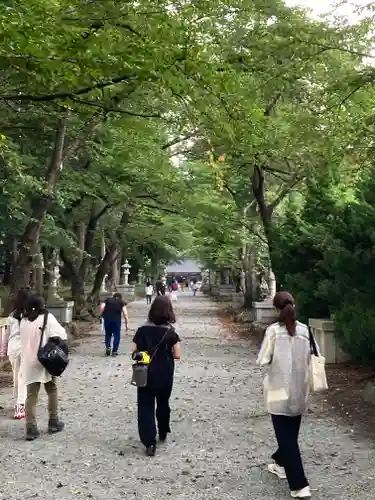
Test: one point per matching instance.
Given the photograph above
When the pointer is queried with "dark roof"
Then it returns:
(184, 267)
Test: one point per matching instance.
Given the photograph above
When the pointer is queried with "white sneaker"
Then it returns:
(304, 493)
(277, 470)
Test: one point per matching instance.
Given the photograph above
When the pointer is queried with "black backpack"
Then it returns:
(54, 355)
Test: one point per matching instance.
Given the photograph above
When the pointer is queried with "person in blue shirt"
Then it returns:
(111, 311)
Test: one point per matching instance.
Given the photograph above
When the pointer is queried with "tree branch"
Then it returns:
(114, 110)
(81, 136)
(177, 140)
(230, 190)
(65, 95)
(285, 190)
(271, 105)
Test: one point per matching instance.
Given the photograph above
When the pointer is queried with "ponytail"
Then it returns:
(288, 317)
(285, 303)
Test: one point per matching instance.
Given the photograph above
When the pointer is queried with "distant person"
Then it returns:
(13, 349)
(194, 288)
(160, 340)
(286, 352)
(161, 287)
(149, 292)
(174, 290)
(112, 309)
(34, 373)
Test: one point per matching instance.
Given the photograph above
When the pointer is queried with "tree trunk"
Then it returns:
(77, 285)
(8, 264)
(77, 288)
(81, 232)
(38, 270)
(30, 237)
(115, 278)
(89, 240)
(48, 270)
(110, 257)
(265, 211)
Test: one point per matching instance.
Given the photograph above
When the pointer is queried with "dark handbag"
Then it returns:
(140, 371)
(54, 355)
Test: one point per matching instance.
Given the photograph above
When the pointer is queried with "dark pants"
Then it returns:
(288, 455)
(112, 328)
(148, 299)
(146, 413)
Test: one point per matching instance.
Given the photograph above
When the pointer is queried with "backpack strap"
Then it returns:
(159, 344)
(43, 328)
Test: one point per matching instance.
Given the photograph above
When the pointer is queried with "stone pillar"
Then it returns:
(140, 277)
(115, 274)
(53, 296)
(103, 288)
(271, 286)
(227, 277)
(63, 311)
(243, 281)
(218, 278)
(125, 268)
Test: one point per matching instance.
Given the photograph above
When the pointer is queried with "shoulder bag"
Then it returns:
(54, 355)
(317, 371)
(140, 371)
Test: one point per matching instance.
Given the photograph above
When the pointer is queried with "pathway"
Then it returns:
(221, 438)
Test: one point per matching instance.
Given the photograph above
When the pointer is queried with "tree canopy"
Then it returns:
(238, 133)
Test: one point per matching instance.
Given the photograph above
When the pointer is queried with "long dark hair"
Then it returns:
(285, 303)
(20, 303)
(34, 307)
(161, 311)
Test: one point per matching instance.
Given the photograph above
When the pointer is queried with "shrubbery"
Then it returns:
(324, 254)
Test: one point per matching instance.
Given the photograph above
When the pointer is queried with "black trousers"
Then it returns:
(288, 455)
(146, 413)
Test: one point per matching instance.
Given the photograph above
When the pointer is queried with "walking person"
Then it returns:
(14, 350)
(161, 287)
(174, 290)
(34, 374)
(149, 292)
(111, 311)
(287, 353)
(160, 340)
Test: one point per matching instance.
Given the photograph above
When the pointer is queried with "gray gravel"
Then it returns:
(221, 440)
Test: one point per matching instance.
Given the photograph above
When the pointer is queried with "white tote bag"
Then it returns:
(317, 370)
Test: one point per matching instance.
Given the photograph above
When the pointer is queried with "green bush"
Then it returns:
(355, 327)
(324, 254)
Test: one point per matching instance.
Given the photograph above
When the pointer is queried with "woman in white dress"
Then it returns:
(33, 371)
(14, 349)
(287, 354)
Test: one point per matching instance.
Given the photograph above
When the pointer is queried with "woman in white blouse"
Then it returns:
(33, 371)
(286, 351)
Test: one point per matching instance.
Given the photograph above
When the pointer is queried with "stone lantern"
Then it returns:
(125, 272)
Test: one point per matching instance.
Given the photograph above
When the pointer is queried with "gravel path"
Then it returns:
(221, 438)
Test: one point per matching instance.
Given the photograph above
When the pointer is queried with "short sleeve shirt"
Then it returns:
(113, 310)
(161, 369)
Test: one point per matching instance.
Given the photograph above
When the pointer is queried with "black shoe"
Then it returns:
(108, 352)
(151, 450)
(162, 436)
(115, 353)
(55, 425)
(31, 432)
